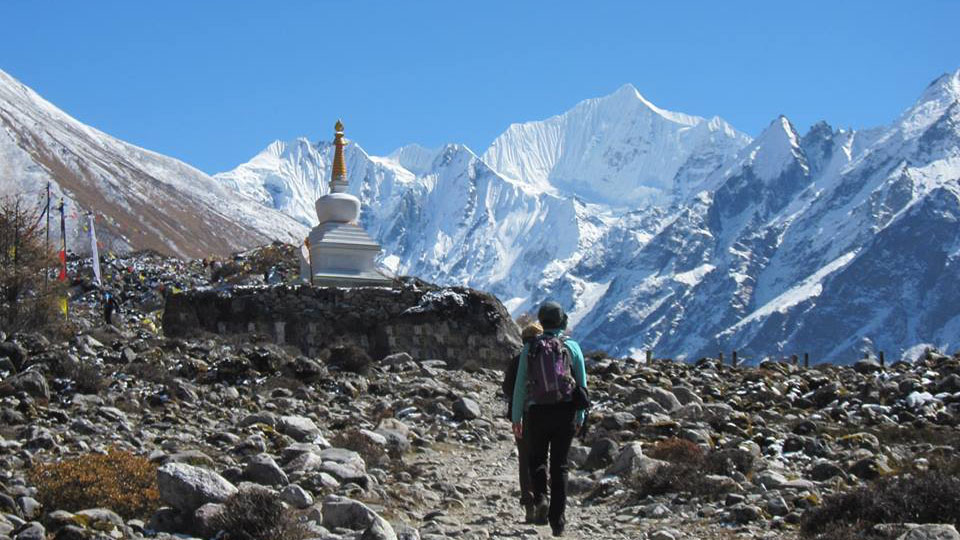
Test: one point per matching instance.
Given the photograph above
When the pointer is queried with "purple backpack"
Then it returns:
(549, 371)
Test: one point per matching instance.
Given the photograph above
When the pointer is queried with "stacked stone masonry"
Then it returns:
(466, 328)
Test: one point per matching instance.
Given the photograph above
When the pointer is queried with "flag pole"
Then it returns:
(63, 255)
(46, 243)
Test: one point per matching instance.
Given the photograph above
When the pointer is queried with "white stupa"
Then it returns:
(341, 253)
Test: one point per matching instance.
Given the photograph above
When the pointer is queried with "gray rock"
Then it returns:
(187, 487)
(745, 513)
(166, 520)
(466, 409)
(825, 470)
(665, 534)
(266, 418)
(296, 497)
(631, 461)
(71, 532)
(31, 531)
(777, 506)
(30, 508)
(205, 519)
(347, 513)
(102, 519)
(602, 454)
(380, 529)
(263, 470)
(301, 428)
(32, 382)
(931, 532)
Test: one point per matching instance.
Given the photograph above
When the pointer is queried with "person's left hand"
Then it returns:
(518, 431)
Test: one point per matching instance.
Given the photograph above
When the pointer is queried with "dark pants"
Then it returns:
(550, 429)
(523, 462)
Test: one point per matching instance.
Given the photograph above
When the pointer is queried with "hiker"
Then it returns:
(109, 305)
(547, 412)
(529, 334)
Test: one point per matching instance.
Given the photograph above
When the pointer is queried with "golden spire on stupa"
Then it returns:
(339, 176)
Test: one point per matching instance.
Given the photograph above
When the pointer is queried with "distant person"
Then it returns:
(529, 334)
(548, 374)
(109, 306)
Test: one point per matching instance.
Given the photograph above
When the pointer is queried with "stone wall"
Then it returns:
(464, 327)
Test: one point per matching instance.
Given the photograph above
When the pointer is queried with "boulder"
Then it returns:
(300, 428)
(32, 382)
(187, 487)
(931, 532)
(263, 470)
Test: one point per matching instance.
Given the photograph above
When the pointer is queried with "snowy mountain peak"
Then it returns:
(415, 158)
(942, 94)
(619, 149)
(775, 149)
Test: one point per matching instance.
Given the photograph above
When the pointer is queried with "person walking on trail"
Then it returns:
(548, 373)
(529, 334)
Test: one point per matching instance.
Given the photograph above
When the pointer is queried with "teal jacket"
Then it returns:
(520, 402)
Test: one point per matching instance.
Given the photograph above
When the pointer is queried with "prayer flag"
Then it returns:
(95, 252)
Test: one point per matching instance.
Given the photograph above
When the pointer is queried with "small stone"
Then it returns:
(296, 497)
(466, 409)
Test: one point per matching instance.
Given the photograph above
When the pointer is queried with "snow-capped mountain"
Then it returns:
(617, 150)
(665, 231)
(656, 230)
(141, 199)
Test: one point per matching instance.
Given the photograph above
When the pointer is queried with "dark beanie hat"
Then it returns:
(551, 315)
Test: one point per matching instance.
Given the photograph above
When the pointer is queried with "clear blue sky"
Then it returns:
(213, 82)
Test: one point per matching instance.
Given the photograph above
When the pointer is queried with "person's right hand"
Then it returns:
(518, 430)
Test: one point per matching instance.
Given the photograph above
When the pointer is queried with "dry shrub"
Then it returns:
(688, 468)
(119, 480)
(350, 358)
(258, 514)
(88, 377)
(728, 461)
(676, 450)
(924, 497)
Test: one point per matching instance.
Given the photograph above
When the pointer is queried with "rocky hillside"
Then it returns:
(238, 434)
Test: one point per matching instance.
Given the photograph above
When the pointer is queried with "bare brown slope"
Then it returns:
(183, 227)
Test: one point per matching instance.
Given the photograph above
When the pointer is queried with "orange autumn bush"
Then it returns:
(121, 481)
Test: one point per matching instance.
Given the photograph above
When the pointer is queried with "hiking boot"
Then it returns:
(543, 510)
(557, 528)
(531, 515)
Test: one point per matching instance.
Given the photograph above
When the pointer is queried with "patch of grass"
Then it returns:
(923, 497)
(119, 480)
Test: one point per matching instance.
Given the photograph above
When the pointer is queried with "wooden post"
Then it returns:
(806, 360)
(720, 357)
(733, 359)
(794, 359)
(866, 356)
(649, 356)
(882, 361)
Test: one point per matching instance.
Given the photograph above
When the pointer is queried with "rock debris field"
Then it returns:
(236, 437)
